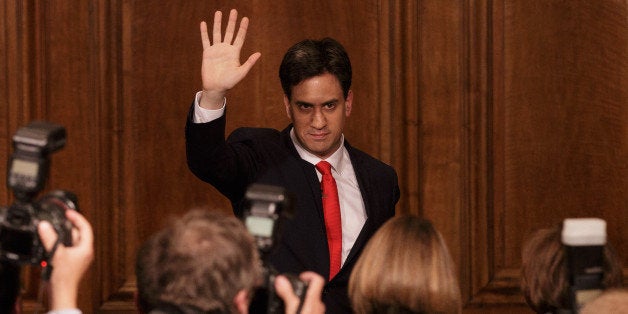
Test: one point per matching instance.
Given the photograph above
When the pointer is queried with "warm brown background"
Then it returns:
(500, 116)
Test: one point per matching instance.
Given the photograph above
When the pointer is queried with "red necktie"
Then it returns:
(331, 210)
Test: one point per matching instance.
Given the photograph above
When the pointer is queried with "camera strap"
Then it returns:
(46, 264)
(46, 271)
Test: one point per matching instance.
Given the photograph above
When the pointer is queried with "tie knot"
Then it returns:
(324, 167)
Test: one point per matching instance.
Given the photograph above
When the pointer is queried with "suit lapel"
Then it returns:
(309, 172)
(309, 175)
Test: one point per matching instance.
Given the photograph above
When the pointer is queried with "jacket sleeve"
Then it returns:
(211, 159)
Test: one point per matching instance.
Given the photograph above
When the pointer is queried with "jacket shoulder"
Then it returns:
(361, 158)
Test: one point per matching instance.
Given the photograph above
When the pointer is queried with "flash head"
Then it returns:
(584, 240)
(584, 232)
(29, 164)
(266, 206)
(276, 197)
(40, 137)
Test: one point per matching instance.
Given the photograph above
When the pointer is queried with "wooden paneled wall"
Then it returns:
(500, 116)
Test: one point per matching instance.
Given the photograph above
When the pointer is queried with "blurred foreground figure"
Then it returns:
(405, 268)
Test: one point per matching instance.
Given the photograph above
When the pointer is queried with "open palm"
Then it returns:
(221, 69)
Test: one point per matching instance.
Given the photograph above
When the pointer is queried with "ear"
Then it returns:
(348, 103)
(286, 103)
(241, 301)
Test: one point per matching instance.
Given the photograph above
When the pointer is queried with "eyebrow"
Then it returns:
(304, 103)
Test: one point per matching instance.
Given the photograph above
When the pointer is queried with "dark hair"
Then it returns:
(9, 286)
(310, 58)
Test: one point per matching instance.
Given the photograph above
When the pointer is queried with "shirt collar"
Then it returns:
(337, 159)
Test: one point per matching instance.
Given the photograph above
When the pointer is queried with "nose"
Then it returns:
(319, 120)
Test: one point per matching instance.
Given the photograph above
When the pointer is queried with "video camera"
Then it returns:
(26, 175)
(266, 206)
(584, 239)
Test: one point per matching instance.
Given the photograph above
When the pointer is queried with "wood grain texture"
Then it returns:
(500, 117)
(558, 133)
(565, 116)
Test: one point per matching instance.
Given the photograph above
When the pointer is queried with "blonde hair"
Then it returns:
(405, 268)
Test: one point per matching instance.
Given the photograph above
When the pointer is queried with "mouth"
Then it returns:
(318, 136)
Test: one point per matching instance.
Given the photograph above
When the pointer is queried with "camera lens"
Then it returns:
(52, 209)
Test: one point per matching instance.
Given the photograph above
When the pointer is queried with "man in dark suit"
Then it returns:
(316, 79)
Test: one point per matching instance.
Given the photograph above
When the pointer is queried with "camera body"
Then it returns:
(267, 206)
(584, 239)
(26, 175)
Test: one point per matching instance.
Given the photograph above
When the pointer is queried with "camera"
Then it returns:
(584, 239)
(266, 207)
(27, 172)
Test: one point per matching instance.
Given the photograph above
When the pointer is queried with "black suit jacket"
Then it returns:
(267, 156)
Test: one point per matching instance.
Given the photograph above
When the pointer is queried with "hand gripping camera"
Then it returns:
(267, 206)
(584, 239)
(26, 175)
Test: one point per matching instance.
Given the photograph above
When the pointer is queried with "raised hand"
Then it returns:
(221, 69)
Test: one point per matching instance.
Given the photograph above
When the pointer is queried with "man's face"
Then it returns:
(318, 110)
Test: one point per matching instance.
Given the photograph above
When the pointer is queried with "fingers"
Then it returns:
(221, 69)
(244, 26)
(76, 236)
(283, 288)
(315, 282)
(204, 36)
(313, 302)
(217, 25)
(233, 17)
(82, 237)
(86, 235)
(47, 235)
(229, 31)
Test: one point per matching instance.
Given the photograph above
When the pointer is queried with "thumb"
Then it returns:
(250, 62)
(47, 235)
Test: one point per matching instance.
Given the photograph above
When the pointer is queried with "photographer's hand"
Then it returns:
(69, 263)
(312, 304)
